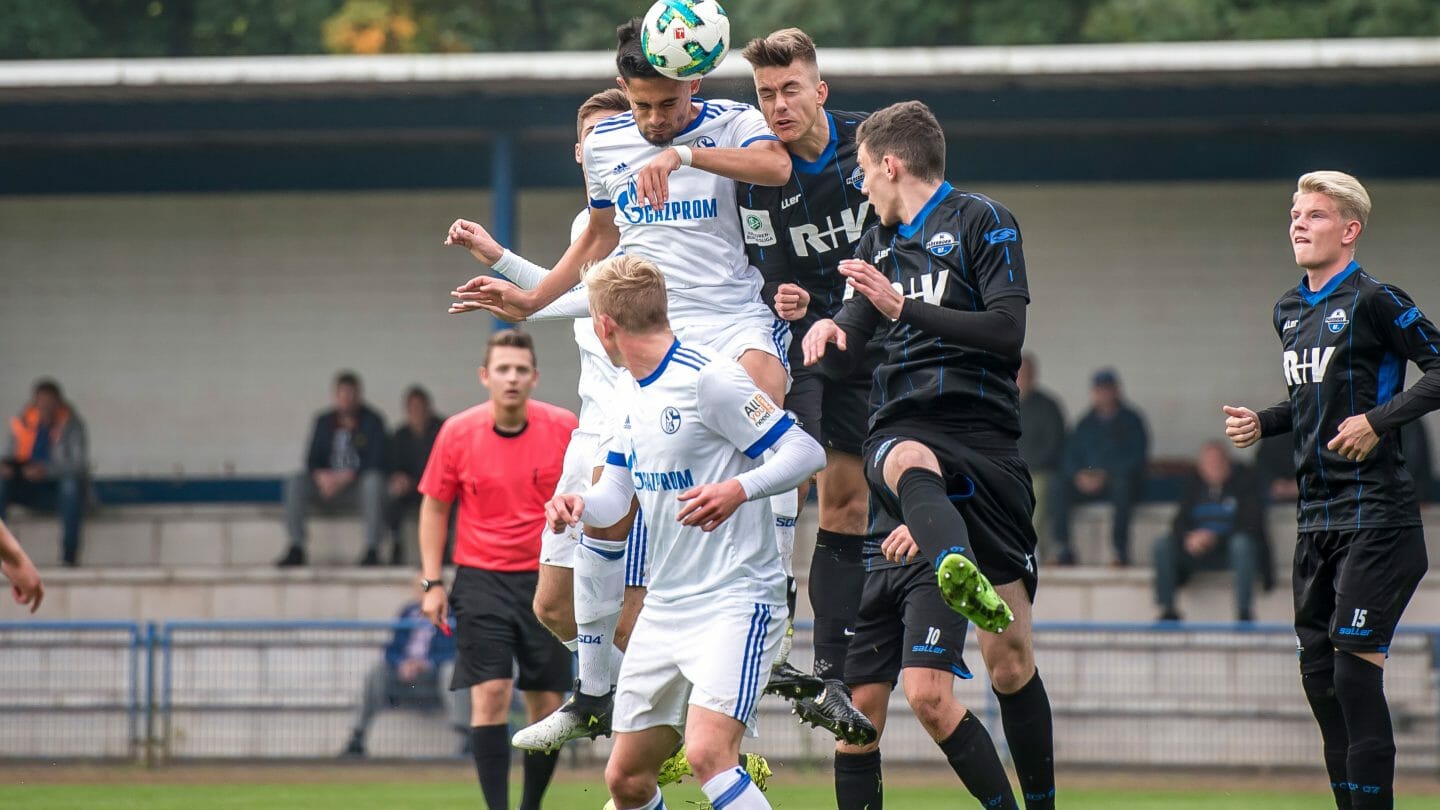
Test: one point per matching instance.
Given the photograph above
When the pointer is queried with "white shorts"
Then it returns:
(582, 456)
(736, 335)
(717, 658)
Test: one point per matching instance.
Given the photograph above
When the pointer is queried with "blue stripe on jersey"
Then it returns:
(818, 164)
(1313, 298)
(681, 361)
(609, 555)
(601, 204)
(753, 640)
(766, 137)
(692, 355)
(734, 792)
(1423, 336)
(660, 369)
(699, 119)
(771, 436)
(636, 549)
(617, 459)
(907, 230)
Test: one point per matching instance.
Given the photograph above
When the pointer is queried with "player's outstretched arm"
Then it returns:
(477, 240)
(15, 564)
(597, 241)
(762, 163)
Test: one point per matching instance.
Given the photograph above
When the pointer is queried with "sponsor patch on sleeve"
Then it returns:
(757, 227)
(759, 409)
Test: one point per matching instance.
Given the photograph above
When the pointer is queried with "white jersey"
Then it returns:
(699, 419)
(696, 238)
(597, 374)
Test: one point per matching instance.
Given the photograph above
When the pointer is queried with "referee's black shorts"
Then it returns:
(496, 630)
(992, 492)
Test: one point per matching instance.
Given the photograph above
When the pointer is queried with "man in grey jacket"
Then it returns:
(46, 461)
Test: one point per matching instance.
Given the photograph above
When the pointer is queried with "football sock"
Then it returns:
(934, 523)
(573, 645)
(972, 756)
(1320, 691)
(490, 746)
(791, 597)
(599, 594)
(858, 784)
(786, 507)
(837, 577)
(657, 802)
(1030, 733)
(734, 789)
(1370, 763)
(539, 767)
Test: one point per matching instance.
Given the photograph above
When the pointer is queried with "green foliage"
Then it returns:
(63, 29)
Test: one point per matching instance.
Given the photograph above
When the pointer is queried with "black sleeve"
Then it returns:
(1406, 332)
(999, 329)
(996, 255)
(1276, 419)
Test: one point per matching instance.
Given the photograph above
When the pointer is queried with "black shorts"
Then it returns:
(992, 492)
(836, 413)
(1350, 589)
(496, 628)
(904, 623)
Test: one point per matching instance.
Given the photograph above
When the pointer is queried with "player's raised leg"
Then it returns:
(913, 473)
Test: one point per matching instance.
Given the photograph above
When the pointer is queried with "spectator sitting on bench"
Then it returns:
(1104, 461)
(1220, 524)
(1042, 445)
(45, 464)
(344, 469)
(415, 672)
(409, 450)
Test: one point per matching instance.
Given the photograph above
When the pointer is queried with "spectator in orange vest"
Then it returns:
(45, 463)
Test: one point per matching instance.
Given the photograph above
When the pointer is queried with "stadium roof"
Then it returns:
(546, 73)
(1167, 111)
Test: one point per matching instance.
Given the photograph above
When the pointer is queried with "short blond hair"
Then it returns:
(1350, 197)
(781, 49)
(629, 290)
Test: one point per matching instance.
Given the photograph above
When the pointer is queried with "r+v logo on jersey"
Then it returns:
(810, 237)
(1307, 365)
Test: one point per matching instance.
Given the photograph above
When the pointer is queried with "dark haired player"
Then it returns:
(942, 455)
(661, 181)
(1360, 553)
(797, 234)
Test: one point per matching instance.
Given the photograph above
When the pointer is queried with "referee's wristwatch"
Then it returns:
(427, 584)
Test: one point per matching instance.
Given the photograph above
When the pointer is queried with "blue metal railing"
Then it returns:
(142, 693)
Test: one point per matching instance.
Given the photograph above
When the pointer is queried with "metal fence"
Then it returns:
(1123, 695)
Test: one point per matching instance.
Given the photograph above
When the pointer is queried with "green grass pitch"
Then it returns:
(582, 796)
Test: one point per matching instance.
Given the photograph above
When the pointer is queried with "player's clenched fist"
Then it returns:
(822, 334)
(1242, 426)
(791, 302)
(564, 511)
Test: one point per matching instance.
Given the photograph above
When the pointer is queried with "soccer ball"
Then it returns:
(685, 39)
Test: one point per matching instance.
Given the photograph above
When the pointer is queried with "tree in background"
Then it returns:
(67, 29)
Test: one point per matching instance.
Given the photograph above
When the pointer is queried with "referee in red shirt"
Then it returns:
(501, 460)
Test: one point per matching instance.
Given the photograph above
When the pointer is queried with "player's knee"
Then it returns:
(932, 707)
(908, 455)
(1010, 671)
(846, 748)
(557, 616)
(708, 758)
(628, 787)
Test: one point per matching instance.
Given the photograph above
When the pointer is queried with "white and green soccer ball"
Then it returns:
(685, 39)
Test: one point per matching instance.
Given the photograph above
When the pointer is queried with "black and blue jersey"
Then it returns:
(960, 254)
(1345, 348)
(799, 232)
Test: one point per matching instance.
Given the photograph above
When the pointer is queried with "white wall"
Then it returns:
(201, 331)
